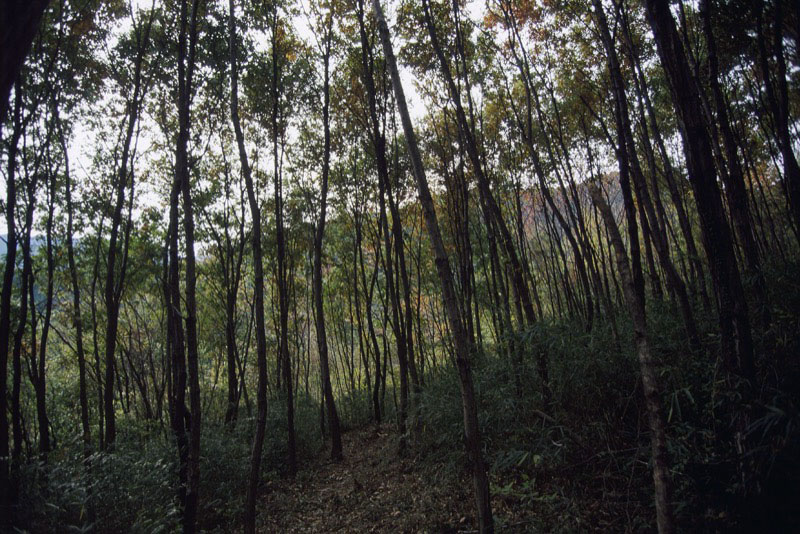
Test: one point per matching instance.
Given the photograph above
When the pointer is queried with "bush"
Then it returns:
(130, 489)
(584, 461)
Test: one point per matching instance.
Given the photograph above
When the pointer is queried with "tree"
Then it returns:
(5, 310)
(186, 67)
(626, 154)
(18, 25)
(778, 101)
(472, 438)
(124, 179)
(319, 234)
(734, 320)
(258, 265)
(648, 370)
(77, 319)
(384, 189)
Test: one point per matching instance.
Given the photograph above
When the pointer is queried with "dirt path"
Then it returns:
(372, 490)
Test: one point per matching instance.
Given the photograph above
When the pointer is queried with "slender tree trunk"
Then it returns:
(735, 191)
(734, 320)
(520, 287)
(258, 267)
(368, 295)
(778, 101)
(38, 367)
(230, 258)
(384, 186)
(285, 364)
(95, 343)
(176, 347)
(678, 202)
(526, 129)
(77, 321)
(114, 280)
(647, 212)
(319, 234)
(623, 159)
(5, 305)
(189, 446)
(648, 370)
(16, 404)
(460, 340)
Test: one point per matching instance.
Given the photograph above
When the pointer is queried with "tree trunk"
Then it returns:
(384, 186)
(735, 335)
(647, 212)
(258, 267)
(189, 446)
(114, 281)
(648, 370)
(285, 364)
(77, 321)
(176, 346)
(778, 102)
(5, 305)
(735, 191)
(463, 350)
(38, 367)
(319, 234)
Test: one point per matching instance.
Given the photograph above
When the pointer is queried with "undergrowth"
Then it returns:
(580, 463)
(132, 489)
(583, 463)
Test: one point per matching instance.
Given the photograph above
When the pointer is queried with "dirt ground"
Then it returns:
(372, 490)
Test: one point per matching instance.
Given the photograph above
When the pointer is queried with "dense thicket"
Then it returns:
(563, 234)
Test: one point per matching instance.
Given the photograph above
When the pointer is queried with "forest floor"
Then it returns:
(372, 490)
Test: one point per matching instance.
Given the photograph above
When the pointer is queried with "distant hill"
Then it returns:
(37, 241)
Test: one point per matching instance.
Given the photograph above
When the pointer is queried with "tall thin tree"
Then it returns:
(463, 349)
(258, 268)
(319, 235)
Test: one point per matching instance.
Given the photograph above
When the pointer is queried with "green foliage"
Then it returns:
(583, 463)
(306, 430)
(131, 490)
(355, 409)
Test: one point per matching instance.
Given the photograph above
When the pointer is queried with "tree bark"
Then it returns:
(77, 321)
(258, 268)
(460, 340)
(384, 188)
(778, 101)
(733, 176)
(5, 305)
(284, 360)
(647, 211)
(735, 335)
(647, 368)
(38, 367)
(115, 281)
(186, 65)
(319, 234)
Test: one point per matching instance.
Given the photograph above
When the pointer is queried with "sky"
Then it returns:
(81, 146)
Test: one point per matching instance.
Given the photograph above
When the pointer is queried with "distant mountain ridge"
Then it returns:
(37, 241)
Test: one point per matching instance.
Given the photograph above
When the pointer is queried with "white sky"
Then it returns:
(84, 141)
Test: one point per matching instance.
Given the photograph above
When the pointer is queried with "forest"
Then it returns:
(400, 266)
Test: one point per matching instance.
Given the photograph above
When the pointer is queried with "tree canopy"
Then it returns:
(509, 266)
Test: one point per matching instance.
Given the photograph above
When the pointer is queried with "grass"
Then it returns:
(581, 465)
